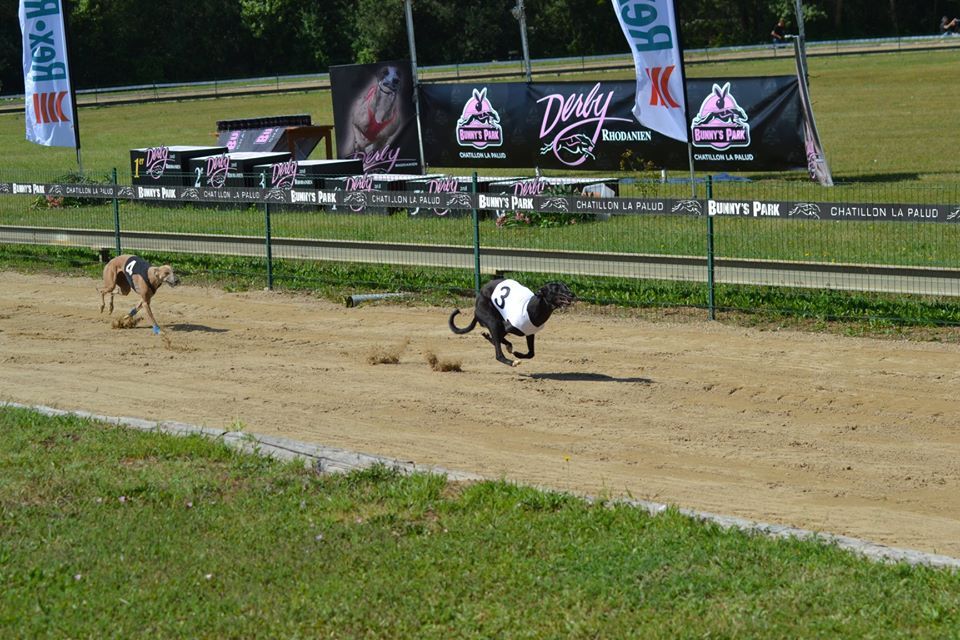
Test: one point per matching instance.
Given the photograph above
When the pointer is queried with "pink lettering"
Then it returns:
(563, 115)
(443, 185)
(529, 187)
(359, 183)
(264, 136)
(284, 173)
(382, 159)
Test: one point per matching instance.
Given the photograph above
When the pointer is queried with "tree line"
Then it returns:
(128, 42)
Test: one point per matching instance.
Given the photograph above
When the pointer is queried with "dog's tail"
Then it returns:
(456, 329)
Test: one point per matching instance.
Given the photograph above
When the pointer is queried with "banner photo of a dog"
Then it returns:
(736, 124)
(374, 116)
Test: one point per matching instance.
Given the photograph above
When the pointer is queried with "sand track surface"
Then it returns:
(849, 436)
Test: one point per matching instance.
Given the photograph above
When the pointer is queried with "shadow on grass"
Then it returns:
(574, 376)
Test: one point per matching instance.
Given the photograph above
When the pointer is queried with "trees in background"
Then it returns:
(123, 42)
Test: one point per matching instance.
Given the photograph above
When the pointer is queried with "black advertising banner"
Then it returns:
(740, 124)
(355, 198)
(374, 116)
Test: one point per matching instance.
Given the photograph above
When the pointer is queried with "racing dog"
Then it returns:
(133, 272)
(375, 116)
(506, 306)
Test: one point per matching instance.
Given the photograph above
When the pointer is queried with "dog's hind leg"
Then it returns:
(503, 341)
(103, 298)
(506, 343)
(497, 341)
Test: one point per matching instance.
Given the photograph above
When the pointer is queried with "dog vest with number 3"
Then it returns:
(137, 266)
(511, 299)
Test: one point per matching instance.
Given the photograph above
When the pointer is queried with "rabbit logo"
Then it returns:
(721, 123)
(479, 124)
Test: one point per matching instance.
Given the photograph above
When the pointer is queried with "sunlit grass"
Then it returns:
(106, 531)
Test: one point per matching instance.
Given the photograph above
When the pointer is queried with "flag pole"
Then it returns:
(73, 90)
(416, 81)
(686, 104)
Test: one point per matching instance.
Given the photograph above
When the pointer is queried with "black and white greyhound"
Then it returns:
(506, 306)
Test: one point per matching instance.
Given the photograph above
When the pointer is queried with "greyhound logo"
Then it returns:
(806, 209)
(461, 200)
(357, 200)
(555, 203)
(572, 147)
(688, 206)
(721, 123)
(479, 123)
(4, 188)
(156, 161)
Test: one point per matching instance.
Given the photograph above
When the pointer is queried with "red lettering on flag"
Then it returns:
(659, 89)
(48, 107)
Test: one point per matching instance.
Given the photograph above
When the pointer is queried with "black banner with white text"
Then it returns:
(359, 200)
(740, 124)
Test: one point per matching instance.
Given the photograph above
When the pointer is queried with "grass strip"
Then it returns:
(108, 530)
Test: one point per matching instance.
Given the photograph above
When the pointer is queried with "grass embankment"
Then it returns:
(108, 531)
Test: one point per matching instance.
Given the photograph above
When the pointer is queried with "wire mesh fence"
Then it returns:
(862, 250)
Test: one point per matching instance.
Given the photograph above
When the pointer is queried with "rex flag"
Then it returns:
(46, 78)
(650, 27)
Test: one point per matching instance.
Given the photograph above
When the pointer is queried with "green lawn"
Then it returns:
(108, 532)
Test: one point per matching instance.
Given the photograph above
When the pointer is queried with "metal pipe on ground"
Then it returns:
(354, 300)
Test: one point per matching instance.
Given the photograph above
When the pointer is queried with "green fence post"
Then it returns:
(476, 240)
(266, 213)
(711, 308)
(116, 214)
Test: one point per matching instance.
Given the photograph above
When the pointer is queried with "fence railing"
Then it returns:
(503, 70)
(723, 245)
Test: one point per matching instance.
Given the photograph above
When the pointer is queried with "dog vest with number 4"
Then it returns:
(511, 299)
(137, 266)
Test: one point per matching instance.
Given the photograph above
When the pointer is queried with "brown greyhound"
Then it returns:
(133, 272)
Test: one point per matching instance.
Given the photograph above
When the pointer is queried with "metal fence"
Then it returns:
(225, 87)
(858, 250)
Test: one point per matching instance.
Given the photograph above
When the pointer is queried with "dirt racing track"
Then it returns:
(848, 436)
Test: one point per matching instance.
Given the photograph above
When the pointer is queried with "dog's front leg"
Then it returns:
(153, 321)
(529, 353)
